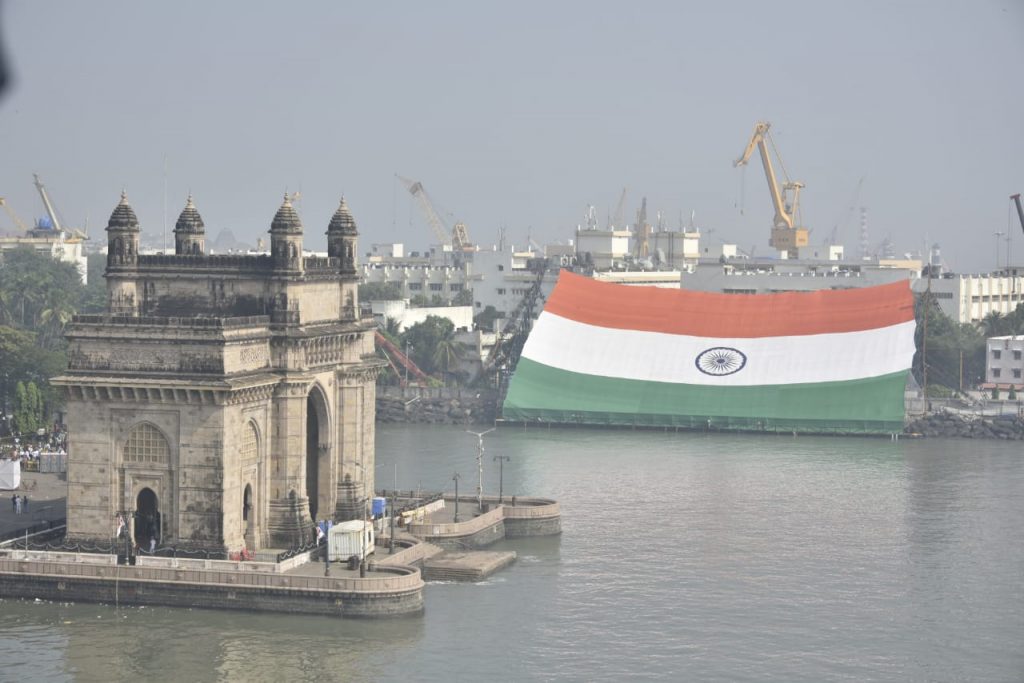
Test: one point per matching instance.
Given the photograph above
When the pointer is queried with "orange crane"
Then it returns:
(14, 217)
(786, 235)
(393, 354)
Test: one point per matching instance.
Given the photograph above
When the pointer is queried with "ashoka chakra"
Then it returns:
(721, 360)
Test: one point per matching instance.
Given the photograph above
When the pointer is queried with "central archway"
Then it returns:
(317, 451)
(147, 518)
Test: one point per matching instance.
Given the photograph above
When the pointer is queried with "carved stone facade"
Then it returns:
(221, 401)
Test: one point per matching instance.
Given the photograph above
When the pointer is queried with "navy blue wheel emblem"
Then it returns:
(720, 361)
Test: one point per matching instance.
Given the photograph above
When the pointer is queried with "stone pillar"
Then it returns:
(351, 503)
(289, 523)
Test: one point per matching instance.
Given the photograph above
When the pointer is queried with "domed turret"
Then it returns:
(341, 238)
(123, 216)
(286, 220)
(189, 231)
(122, 235)
(122, 258)
(286, 237)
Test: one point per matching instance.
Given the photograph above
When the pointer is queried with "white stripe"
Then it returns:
(659, 357)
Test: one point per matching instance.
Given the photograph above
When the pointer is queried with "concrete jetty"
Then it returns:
(427, 546)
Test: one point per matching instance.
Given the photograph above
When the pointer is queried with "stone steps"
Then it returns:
(470, 566)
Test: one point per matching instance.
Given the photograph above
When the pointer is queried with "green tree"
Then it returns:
(947, 343)
(425, 338)
(24, 418)
(380, 291)
(464, 297)
(35, 408)
(94, 297)
(485, 319)
(418, 301)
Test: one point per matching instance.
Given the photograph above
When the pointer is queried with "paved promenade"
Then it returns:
(47, 500)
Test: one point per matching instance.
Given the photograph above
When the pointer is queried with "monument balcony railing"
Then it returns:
(230, 261)
(198, 322)
(313, 263)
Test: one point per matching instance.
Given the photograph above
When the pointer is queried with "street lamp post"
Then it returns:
(455, 478)
(502, 459)
(480, 467)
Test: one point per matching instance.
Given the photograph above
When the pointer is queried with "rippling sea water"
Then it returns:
(684, 557)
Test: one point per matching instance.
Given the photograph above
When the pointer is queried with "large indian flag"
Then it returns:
(826, 361)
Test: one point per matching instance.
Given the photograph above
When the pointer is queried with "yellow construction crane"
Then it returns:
(786, 235)
(14, 217)
(459, 237)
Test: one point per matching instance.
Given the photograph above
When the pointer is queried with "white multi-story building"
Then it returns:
(406, 316)
(55, 245)
(969, 298)
(1004, 362)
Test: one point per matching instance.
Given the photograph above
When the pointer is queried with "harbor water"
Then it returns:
(684, 556)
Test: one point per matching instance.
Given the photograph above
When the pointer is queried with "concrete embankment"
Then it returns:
(952, 425)
(388, 591)
(441, 405)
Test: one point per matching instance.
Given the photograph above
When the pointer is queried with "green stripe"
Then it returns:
(867, 406)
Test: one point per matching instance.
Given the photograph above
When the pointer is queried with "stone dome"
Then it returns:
(123, 217)
(342, 221)
(190, 222)
(286, 220)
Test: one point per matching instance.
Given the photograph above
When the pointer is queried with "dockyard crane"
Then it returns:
(52, 212)
(458, 237)
(14, 217)
(618, 218)
(786, 235)
(1014, 197)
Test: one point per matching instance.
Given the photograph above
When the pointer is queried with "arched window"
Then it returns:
(250, 443)
(146, 444)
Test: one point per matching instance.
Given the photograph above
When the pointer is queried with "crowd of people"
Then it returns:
(28, 451)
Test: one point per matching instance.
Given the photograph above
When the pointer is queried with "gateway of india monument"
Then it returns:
(223, 401)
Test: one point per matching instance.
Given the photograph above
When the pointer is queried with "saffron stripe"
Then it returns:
(710, 314)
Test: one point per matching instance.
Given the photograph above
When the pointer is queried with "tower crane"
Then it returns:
(457, 238)
(52, 212)
(14, 217)
(1014, 197)
(786, 235)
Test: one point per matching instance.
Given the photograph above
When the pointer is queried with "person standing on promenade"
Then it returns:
(17, 505)
(14, 503)
(24, 503)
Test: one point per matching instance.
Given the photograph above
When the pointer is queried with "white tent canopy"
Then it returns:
(10, 474)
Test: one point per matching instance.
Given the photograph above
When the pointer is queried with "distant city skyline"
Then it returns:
(520, 116)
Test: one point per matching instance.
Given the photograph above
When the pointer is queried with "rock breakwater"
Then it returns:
(436, 406)
(953, 425)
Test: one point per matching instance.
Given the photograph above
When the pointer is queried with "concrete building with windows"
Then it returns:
(221, 402)
(969, 298)
(1004, 363)
(52, 243)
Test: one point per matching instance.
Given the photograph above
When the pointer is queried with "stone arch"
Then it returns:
(249, 458)
(318, 451)
(147, 525)
(146, 444)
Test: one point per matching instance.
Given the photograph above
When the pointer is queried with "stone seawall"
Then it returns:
(435, 405)
(390, 591)
(953, 425)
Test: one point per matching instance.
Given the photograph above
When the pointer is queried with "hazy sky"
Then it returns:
(521, 114)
